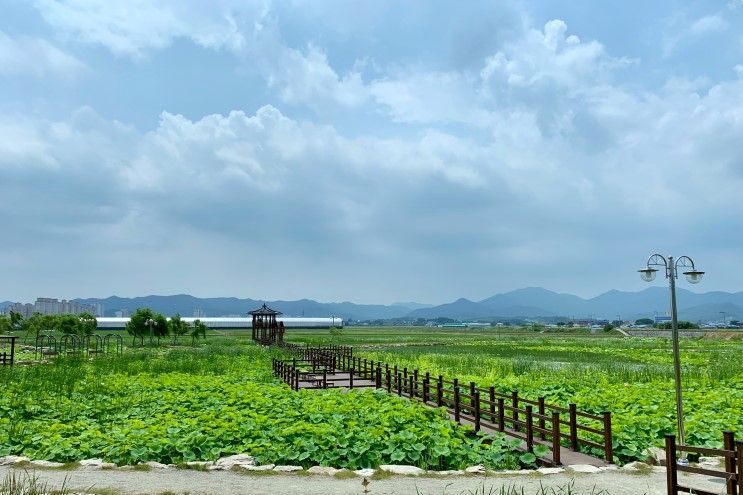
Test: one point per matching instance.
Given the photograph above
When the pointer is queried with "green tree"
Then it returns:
(178, 327)
(139, 329)
(16, 321)
(87, 324)
(68, 324)
(644, 321)
(5, 325)
(33, 326)
(198, 330)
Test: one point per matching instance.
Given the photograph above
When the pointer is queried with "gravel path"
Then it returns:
(232, 483)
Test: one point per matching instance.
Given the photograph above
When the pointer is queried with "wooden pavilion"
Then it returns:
(266, 330)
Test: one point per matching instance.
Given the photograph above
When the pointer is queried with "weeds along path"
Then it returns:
(178, 481)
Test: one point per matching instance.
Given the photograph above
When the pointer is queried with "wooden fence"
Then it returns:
(732, 452)
(533, 421)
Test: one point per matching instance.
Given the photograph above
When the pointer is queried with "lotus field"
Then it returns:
(179, 404)
(630, 376)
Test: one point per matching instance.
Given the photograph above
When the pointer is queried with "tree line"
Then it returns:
(144, 323)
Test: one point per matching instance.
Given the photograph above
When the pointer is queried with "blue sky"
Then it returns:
(366, 151)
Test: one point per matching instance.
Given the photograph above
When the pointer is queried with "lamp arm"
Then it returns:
(683, 264)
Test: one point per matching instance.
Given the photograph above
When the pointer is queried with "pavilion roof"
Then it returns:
(264, 311)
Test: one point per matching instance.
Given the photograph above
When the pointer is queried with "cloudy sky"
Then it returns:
(367, 151)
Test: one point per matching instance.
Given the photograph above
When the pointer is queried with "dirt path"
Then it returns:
(231, 483)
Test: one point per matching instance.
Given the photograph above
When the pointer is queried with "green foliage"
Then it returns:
(178, 326)
(198, 330)
(644, 321)
(181, 405)
(139, 328)
(5, 325)
(87, 324)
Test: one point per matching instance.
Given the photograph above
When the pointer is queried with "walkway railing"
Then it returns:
(732, 452)
(533, 421)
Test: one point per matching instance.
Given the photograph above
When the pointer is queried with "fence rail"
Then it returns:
(732, 452)
(535, 422)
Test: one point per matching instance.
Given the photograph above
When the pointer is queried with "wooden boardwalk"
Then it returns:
(517, 419)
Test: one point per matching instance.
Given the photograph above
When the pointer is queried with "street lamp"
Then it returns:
(150, 323)
(693, 276)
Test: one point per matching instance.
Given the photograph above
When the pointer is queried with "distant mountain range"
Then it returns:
(533, 302)
(536, 302)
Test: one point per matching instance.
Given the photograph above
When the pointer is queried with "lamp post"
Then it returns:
(693, 276)
(150, 323)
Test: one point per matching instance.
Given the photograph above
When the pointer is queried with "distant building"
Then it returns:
(659, 320)
(50, 306)
(24, 310)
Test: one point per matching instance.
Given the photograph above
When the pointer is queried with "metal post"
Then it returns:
(676, 357)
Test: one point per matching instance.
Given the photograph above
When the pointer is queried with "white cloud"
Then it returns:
(133, 27)
(35, 56)
(709, 24)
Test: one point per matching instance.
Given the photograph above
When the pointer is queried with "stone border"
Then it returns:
(246, 463)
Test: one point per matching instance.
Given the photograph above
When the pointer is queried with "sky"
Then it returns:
(366, 151)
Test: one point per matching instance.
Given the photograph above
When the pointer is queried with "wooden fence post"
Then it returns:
(728, 443)
(325, 378)
(476, 400)
(456, 400)
(350, 378)
(296, 379)
(379, 377)
(440, 391)
(608, 448)
(501, 414)
(491, 398)
(473, 388)
(426, 387)
(411, 387)
(556, 438)
(399, 384)
(515, 413)
(540, 402)
(739, 453)
(389, 379)
(573, 427)
(414, 392)
(529, 429)
(671, 474)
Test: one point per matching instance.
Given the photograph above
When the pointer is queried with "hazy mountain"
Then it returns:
(536, 302)
(523, 303)
(186, 305)
(542, 301)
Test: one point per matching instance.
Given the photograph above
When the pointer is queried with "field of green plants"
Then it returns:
(200, 403)
(631, 377)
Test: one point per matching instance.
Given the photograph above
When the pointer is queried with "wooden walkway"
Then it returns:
(320, 369)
